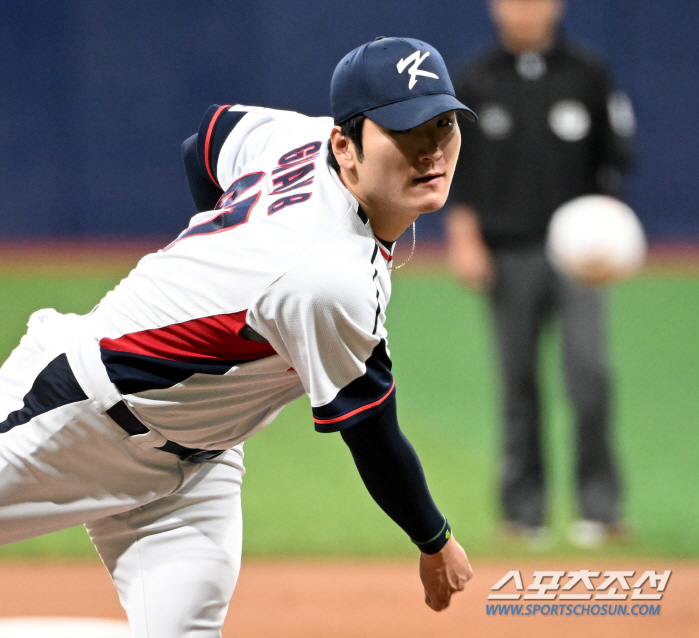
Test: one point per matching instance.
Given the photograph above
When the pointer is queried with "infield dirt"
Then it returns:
(310, 599)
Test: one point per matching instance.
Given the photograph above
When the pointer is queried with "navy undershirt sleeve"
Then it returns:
(204, 192)
(393, 475)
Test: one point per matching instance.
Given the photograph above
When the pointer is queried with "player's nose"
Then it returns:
(430, 149)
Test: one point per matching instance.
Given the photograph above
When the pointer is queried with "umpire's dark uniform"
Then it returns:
(550, 129)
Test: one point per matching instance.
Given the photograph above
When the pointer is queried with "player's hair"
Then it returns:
(351, 129)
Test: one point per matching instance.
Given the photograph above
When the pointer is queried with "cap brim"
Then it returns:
(407, 114)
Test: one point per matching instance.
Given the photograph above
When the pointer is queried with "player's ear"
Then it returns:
(343, 148)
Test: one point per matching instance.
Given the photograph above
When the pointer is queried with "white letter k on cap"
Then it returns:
(414, 71)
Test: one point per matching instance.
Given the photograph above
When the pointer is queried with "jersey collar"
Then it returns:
(386, 250)
(385, 247)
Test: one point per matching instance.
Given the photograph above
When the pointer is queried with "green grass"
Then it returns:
(19, 297)
(302, 495)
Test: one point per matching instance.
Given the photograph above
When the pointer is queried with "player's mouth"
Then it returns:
(430, 178)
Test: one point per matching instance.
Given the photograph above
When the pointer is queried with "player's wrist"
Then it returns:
(437, 542)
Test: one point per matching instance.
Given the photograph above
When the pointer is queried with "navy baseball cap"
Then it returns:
(399, 83)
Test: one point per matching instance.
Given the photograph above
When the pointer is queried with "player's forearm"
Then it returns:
(393, 475)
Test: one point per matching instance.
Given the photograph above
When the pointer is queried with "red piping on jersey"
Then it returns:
(358, 410)
(207, 339)
(386, 256)
(208, 140)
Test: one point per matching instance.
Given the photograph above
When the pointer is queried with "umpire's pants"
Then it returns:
(525, 293)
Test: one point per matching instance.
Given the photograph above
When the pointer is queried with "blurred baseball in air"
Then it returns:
(596, 239)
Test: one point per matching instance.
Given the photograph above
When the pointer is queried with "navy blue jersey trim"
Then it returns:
(360, 399)
(53, 387)
(378, 304)
(216, 136)
(204, 192)
(362, 215)
(388, 245)
(137, 372)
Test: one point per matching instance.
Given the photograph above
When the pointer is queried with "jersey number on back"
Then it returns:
(235, 212)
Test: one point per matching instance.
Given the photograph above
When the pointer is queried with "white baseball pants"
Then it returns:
(168, 531)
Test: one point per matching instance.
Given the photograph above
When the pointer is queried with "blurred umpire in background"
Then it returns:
(551, 128)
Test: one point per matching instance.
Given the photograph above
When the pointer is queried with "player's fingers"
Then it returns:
(437, 603)
(463, 580)
(430, 602)
(442, 604)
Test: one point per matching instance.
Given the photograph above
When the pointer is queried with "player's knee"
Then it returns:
(188, 596)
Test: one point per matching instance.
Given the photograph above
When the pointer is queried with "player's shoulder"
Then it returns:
(230, 136)
(263, 128)
(277, 121)
(342, 261)
(342, 272)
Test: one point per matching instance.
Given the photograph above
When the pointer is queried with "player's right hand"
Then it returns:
(444, 574)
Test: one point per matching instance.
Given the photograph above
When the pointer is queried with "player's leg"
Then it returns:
(21, 368)
(61, 461)
(175, 562)
(581, 309)
(65, 467)
(519, 302)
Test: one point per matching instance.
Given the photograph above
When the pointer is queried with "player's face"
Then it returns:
(526, 25)
(407, 173)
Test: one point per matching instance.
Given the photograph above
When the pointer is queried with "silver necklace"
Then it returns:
(412, 252)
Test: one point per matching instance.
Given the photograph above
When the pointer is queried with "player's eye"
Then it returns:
(446, 121)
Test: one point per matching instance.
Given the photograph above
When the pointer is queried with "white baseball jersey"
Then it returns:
(279, 291)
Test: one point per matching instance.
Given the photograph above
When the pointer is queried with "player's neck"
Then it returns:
(386, 224)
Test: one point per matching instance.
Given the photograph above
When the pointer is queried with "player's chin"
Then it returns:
(432, 202)
(431, 197)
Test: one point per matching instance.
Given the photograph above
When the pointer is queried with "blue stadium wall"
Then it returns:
(96, 97)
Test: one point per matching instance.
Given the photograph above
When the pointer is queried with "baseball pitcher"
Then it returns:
(131, 419)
